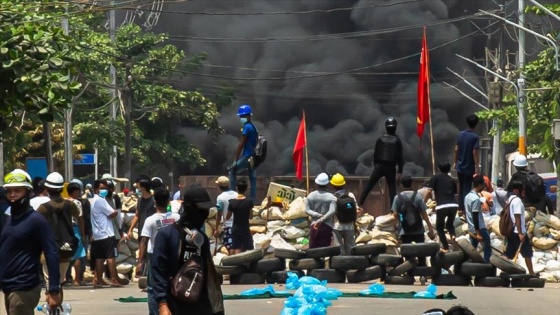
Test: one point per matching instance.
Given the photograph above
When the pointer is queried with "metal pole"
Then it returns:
(496, 159)
(545, 9)
(96, 161)
(48, 145)
(114, 94)
(1, 159)
(128, 125)
(68, 146)
(521, 81)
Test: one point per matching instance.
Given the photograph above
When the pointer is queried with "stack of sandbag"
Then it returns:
(126, 258)
(546, 231)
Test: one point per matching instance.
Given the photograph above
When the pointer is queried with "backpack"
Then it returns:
(535, 190)
(345, 209)
(261, 148)
(389, 149)
(63, 231)
(506, 222)
(188, 282)
(409, 213)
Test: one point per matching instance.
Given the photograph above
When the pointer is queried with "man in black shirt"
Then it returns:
(445, 190)
(145, 206)
(388, 154)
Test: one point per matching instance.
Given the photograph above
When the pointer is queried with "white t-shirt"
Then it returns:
(35, 202)
(101, 224)
(155, 222)
(223, 205)
(516, 207)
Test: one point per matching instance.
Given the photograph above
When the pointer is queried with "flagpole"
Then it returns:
(306, 156)
(432, 137)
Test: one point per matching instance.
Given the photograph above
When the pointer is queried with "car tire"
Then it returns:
(447, 260)
(321, 252)
(491, 282)
(452, 280)
(247, 278)
(243, 258)
(528, 283)
(289, 253)
(306, 264)
(330, 275)
(231, 270)
(419, 250)
(369, 249)
(423, 271)
(280, 277)
(401, 280)
(469, 250)
(506, 265)
(269, 265)
(480, 270)
(348, 262)
(403, 268)
(363, 275)
(387, 260)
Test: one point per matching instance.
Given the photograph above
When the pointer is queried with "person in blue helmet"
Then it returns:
(243, 159)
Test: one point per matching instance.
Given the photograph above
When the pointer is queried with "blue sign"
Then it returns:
(87, 159)
(36, 167)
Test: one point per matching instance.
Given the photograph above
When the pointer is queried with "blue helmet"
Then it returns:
(244, 110)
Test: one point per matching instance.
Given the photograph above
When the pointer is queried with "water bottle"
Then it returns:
(64, 309)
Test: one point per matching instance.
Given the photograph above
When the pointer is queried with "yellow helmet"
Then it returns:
(338, 180)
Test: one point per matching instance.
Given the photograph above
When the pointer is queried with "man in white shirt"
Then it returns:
(519, 239)
(41, 195)
(222, 203)
(104, 245)
(149, 231)
(500, 197)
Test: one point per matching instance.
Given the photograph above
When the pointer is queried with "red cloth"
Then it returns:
(297, 155)
(423, 115)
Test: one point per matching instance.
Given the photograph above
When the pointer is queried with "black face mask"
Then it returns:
(193, 217)
(20, 206)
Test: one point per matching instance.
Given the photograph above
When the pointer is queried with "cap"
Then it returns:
(107, 176)
(222, 181)
(198, 196)
(322, 179)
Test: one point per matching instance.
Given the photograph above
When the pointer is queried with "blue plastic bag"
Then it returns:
(430, 293)
(312, 309)
(374, 289)
(258, 291)
(294, 282)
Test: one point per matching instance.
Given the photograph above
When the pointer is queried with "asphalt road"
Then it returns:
(481, 300)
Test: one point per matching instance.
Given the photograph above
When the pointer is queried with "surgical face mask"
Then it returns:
(138, 192)
(243, 120)
(103, 193)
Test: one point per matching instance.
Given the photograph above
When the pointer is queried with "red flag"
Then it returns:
(301, 142)
(423, 116)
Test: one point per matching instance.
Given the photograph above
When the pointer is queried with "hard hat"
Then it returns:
(79, 182)
(107, 176)
(520, 161)
(54, 180)
(390, 122)
(322, 179)
(338, 180)
(18, 178)
(244, 110)
(89, 186)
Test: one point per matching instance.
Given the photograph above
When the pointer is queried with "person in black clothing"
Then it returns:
(445, 190)
(241, 208)
(388, 154)
(3, 202)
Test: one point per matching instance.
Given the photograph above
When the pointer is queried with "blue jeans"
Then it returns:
(486, 245)
(153, 307)
(242, 165)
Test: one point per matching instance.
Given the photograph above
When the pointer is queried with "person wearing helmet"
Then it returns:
(466, 158)
(388, 155)
(346, 214)
(320, 205)
(25, 236)
(60, 212)
(245, 150)
(535, 190)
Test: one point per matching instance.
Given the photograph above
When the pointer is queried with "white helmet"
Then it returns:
(54, 180)
(79, 182)
(520, 161)
(18, 178)
(322, 179)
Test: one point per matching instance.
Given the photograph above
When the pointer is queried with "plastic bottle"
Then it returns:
(64, 309)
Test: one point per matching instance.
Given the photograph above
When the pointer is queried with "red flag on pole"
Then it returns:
(301, 142)
(423, 116)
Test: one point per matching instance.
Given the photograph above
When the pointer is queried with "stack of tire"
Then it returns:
(312, 262)
(405, 269)
(249, 267)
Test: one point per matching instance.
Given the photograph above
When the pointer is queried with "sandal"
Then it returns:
(115, 284)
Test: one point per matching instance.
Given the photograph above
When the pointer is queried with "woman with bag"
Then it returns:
(174, 248)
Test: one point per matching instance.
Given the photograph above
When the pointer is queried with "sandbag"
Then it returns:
(291, 232)
(364, 221)
(124, 249)
(124, 268)
(261, 240)
(548, 219)
(133, 245)
(275, 226)
(278, 242)
(300, 223)
(120, 258)
(377, 234)
(296, 209)
(555, 234)
(272, 213)
(389, 243)
(387, 220)
(544, 242)
(257, 229)
(212, 213)
(364, 237)
(495, 227)
(552, 265)
(209, 229)
(257, 220)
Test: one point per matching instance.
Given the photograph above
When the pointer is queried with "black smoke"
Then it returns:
(345, 110)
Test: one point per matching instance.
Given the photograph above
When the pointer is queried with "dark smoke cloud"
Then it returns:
(345, 112)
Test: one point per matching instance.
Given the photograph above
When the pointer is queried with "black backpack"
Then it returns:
(409, 213)
(63, 230)
(261, 148)
(389, 149)
(535, 189)
(345, 209)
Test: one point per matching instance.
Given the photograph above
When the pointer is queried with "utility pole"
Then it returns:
(68, 146)
(521, 81)
(48, 145)
(128, 125)
(114, 94)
